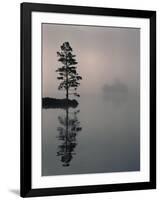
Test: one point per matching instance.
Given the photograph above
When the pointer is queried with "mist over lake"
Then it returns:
(108, 142)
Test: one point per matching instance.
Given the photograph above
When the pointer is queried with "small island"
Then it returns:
(48, 102)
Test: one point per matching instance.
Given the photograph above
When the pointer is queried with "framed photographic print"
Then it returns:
(88, 99)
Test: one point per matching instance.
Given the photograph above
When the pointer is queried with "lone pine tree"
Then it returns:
(68, 71)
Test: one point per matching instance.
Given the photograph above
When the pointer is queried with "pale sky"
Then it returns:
(105, 56)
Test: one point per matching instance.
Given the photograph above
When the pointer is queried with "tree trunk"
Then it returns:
(67, 93)
(67, 85)
(66, 81)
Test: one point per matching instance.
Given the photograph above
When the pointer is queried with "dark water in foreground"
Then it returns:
(98, 136)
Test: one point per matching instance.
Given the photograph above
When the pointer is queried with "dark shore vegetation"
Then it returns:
(48, 102)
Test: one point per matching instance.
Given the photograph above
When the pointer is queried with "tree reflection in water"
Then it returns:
(68, 130)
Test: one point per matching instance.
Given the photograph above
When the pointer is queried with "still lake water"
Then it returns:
(100, 135)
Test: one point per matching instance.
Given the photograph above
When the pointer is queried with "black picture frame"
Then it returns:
(26, 105)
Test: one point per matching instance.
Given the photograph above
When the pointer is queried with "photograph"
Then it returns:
(90, 99)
